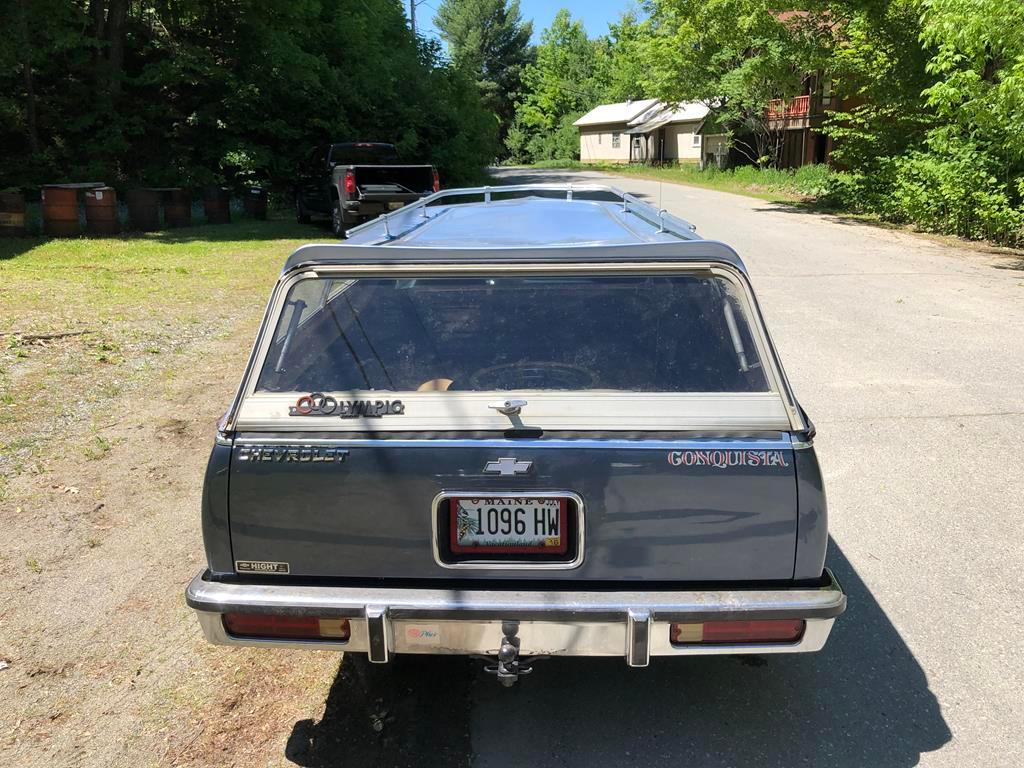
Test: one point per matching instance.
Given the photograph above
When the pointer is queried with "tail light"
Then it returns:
(737, 632)
(291, 627)
(350, 183)
(437, 181)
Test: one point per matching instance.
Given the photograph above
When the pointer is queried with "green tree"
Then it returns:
(978, 61)
(735, 56)
(561, 85)
(489, 40)
(626, 74)
(189, 92)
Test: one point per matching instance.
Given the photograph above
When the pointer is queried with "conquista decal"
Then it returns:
(721, 459)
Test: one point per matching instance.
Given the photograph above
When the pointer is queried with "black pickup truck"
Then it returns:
(357, 181)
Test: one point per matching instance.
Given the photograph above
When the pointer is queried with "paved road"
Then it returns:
(909, 356)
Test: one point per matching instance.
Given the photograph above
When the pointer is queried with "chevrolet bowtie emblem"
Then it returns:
(507, 466)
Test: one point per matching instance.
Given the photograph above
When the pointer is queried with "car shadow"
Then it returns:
(863, 701)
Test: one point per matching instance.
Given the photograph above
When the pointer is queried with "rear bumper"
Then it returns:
(634, 624)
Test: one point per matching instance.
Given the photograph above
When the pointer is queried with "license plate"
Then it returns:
(509, 524)
(394, 206)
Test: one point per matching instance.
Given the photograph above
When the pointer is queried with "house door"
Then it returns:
(638, 154)
(661, 146)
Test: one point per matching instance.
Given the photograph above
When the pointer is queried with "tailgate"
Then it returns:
(588, 422)
(698, 510)
(393, 182)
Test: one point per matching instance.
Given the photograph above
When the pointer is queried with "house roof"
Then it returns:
(662, 115)
(644, 115)
(622, 112)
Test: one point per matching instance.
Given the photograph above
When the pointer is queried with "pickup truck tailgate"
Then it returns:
(668, 510)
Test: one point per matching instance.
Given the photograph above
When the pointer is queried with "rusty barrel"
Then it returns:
(12, 214)
(143, 209)
(60, 211)
(217, 205)
(256, 202)
(101, 212)
(178, 208)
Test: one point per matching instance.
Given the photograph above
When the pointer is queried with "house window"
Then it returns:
(599, 135)
(615, 140)
(696, 139)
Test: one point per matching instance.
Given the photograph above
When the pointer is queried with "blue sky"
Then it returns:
(595, 14)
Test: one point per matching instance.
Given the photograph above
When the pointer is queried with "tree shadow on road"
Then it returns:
(863, 701)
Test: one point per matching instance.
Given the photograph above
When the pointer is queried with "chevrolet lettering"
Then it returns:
(304, 454)
(513, 423)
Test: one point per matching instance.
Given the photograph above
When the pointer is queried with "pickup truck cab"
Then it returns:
(356, 181)
(516, 422)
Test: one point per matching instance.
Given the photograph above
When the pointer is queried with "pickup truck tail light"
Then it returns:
(350, 183)
(287, 627)
(737, 632)
(437, 181)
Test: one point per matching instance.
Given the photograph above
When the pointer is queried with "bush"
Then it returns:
(956, 193)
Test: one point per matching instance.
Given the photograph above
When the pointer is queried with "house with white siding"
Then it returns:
(644, 131)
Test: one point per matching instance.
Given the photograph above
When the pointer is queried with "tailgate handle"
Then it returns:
(508, 407)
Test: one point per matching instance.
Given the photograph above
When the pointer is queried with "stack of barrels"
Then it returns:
(177, 208)
(144, 210)
(256, 202)
(101, 212)
(61, 212)
(217, 205)
(12, 213)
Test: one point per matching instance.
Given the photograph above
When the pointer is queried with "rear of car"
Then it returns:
(447, 444)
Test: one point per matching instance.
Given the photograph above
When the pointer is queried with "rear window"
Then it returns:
(675, 333)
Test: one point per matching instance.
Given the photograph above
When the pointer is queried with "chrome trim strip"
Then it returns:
(802, 445)
(581, 527)
(502, 443)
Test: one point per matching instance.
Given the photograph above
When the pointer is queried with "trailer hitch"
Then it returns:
(509, 666)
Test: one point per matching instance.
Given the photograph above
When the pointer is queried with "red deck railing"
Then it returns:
(799, 106)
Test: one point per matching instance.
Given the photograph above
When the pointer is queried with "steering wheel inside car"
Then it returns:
(530, 375)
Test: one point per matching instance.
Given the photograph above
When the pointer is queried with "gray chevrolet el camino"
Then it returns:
(515, 422)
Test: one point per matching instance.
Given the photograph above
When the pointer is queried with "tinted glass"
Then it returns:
(637, 333)
(363, 154)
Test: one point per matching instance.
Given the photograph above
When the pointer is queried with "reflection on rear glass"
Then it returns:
(677, 333)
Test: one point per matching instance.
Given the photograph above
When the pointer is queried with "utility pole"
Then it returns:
(412, 14)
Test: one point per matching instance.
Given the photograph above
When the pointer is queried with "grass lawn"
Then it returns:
(84, 320)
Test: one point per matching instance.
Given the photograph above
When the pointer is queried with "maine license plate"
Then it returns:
(509, 524)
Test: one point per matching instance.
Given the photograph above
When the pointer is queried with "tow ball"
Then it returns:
(509, 666)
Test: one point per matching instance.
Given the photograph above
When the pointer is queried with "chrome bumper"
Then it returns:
(633, 624)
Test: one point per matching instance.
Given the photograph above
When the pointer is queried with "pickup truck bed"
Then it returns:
(349, 192)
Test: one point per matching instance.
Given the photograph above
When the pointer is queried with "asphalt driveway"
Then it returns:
(909, 356)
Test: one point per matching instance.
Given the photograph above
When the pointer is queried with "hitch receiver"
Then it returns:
(509, 666)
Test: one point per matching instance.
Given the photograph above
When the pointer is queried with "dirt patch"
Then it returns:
(106, 666)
